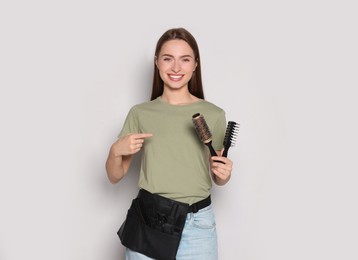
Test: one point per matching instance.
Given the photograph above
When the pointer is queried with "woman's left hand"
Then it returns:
(221, 170)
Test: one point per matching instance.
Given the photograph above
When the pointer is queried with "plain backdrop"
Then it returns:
(285, 70)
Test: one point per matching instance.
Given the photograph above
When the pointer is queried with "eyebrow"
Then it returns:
(184, 56)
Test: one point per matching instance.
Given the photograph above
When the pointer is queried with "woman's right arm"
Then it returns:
(121, 154)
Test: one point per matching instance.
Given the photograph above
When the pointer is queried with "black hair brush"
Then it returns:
(203, 131)
(230, 136)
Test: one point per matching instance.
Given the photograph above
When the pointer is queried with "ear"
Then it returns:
(196, 64)
(156, 61)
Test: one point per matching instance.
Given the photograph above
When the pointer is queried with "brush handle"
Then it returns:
(212, 151)
(226, 150)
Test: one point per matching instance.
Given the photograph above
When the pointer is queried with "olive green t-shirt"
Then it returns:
(175, 163)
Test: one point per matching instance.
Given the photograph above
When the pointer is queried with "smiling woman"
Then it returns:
(176, 64)
(177, 47)
(172, 217)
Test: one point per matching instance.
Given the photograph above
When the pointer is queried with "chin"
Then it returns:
(177, 86)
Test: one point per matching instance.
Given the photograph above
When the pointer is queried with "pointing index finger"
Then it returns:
(142, 135)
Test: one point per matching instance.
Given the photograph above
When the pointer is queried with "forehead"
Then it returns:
(176, 47)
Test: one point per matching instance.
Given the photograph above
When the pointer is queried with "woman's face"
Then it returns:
(176, 64)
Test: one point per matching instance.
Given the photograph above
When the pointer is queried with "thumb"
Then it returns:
(221, 152)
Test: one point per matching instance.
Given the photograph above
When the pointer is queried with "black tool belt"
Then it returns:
(154, 224)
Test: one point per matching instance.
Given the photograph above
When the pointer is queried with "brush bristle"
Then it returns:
(201, 128)
(230, 135)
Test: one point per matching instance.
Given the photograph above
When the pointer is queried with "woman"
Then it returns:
(175, 164)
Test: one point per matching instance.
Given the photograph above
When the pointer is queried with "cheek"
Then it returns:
(161, 65)
(162, 74)
(191, 70)
(190, 67)
(163, 68)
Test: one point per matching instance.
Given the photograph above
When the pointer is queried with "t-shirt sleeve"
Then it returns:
(218, 132)
(131, 124)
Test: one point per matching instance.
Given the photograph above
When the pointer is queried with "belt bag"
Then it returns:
(154, 225)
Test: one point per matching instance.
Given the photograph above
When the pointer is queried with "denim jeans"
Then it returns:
(198, 241)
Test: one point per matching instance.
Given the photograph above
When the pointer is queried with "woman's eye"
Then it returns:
(166, 59)
(186, 60)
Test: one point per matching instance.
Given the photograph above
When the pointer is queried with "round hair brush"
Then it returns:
(230, 136)
(203, 131)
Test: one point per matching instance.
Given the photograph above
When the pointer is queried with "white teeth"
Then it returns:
(175, 77)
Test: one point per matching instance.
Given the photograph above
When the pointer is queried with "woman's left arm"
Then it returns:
(220, 172)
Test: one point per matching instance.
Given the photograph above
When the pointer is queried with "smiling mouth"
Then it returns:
(175, 77)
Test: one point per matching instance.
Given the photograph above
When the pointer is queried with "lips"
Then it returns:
(175, 77)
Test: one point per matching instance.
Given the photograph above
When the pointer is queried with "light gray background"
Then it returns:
(285, 70)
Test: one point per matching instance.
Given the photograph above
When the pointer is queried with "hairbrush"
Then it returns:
(203, 131)
(230, 136)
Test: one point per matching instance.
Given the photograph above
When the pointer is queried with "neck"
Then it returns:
(178, 97)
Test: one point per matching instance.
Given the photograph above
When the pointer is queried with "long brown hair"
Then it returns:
(195, 84)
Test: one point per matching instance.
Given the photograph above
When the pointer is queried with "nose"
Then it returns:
(176, 67)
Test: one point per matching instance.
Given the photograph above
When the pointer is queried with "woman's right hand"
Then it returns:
(129, 144)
